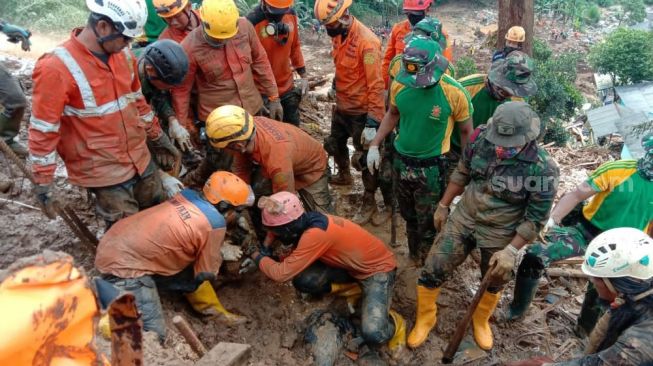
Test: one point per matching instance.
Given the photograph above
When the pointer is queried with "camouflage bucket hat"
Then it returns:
(422, 63)
(429, 28)
(513, 124)
(514, 74)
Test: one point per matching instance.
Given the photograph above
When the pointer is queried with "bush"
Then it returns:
(557, 96)
(634, 11)
(45, 15)
(541, 50)
(626, 55)
(556, 132)
(592, 14)
(605, 3)
(465, 66)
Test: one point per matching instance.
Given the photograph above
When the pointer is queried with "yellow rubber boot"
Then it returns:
(205, 301)
(398, 340)
(104, 327)
(480, 320)
(427, 311)
(350, 291)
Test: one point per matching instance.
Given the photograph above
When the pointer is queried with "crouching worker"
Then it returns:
(334, 255)
(175, 246)
(618, 263)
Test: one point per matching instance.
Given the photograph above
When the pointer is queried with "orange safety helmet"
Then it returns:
(417, 5)
(516, 34)
(328, 11)
(280, 4)
(225, 186)
(169, 8)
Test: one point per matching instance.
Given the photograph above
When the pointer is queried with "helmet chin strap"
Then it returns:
(101, 40)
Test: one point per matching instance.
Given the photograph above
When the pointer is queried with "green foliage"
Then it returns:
(556, 132)
(605, 3)
(626, 55)
(541, 50)
(633, 11)
(592, 14)
(557, 96)
(45, 15)
(465, 66)
(648, 2)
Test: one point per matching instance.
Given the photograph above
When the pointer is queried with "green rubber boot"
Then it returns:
(525, 289)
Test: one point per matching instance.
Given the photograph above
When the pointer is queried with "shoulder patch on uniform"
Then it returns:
(369, 58)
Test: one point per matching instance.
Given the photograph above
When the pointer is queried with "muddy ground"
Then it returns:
(275, 311)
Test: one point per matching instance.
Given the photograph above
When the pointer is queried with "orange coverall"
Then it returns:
(288, 156)
(231, 74)
(343, 245)
(359, 85)
(93, 114)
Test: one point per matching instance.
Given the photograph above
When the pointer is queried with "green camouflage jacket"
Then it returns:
(160, 100)
(506, 196)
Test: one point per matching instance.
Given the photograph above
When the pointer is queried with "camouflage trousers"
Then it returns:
(419, 187)
(377, 290)
(458, 240)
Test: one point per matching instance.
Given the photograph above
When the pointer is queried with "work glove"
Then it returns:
(276, 110)
(230, 252)
(503, 262)
(440, 217)
(179, 134)
(247, 266)
(373, 158)
(303, 86)
(171, 185)
(17, 34)
(368, 136)
(550, 224)
(165, 153)
(46, 199)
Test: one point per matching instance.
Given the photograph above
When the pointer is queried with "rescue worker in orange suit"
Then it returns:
(360, 105)
(227, 65)
(277, 28)
(88, 108)
(267, 150)
(415, 10)
(179, 16)
(176, 246)
(332, 255)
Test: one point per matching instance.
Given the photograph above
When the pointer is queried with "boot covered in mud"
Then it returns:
(525, 289)
(398, 340)
(343, 178)
(380, 217)
(481, 320)
(205, 301)
(367, 210)
(350, 291)
(325, 335)
(427, 311)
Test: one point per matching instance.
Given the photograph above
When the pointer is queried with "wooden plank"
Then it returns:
(227, 354)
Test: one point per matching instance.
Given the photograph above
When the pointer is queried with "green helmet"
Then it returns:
(514, 74)
(422, 63)
(513, 124)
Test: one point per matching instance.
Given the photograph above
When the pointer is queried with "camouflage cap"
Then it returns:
(431, 28)
(422, 63)
(513, 124)
(514, 74)
(647, 142)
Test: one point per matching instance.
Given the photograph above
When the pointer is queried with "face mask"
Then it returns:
(334, 32)
(415, 18)
(507, 152)
(274, 18)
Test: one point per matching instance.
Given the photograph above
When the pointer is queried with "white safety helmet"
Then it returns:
(621, 252)
(128, 16)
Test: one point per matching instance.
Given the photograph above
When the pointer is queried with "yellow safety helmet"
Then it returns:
(169, 8)
(227, 187)
(228, 124)
(516, 34)
(219, 18)
(328, 11)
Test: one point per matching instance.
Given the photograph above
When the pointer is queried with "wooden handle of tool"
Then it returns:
(189, 335)
(454, 343)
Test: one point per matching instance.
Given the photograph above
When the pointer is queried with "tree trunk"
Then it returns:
(516, 12)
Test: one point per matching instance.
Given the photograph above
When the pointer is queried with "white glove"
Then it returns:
(248, 265)
(179, 134)
(368, 135)
(171, 185)
(551, 223)
(303, 86)
(243, 224)
(230, 252)
(373, 158)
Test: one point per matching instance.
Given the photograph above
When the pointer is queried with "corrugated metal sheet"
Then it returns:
(638, 97)
(603, 119)
(633, 128)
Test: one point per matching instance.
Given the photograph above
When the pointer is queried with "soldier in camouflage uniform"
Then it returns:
(621, 195)
(508, 184)
(426, 103)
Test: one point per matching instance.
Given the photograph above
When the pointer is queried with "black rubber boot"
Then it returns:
(528, 277)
